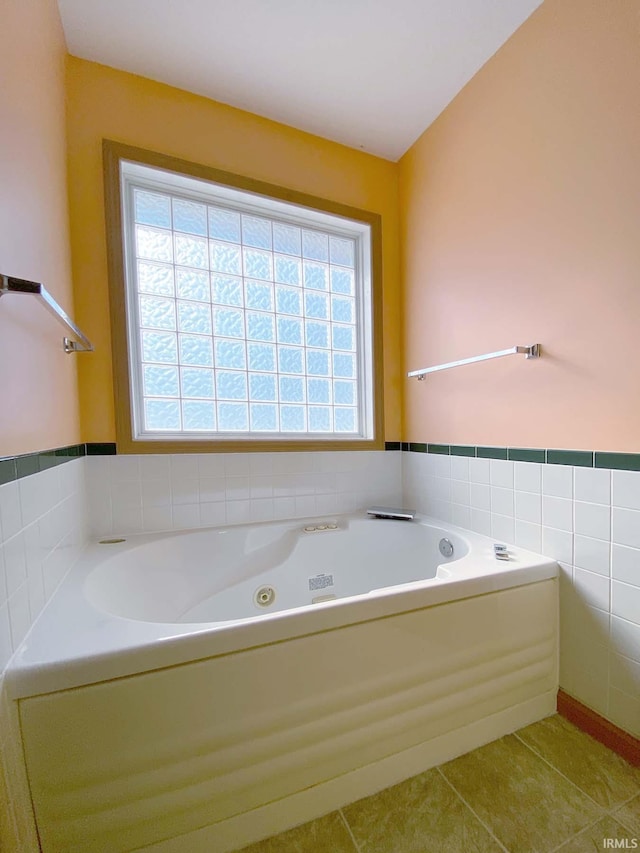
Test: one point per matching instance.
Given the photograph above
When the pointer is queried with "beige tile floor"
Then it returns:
(547, 787)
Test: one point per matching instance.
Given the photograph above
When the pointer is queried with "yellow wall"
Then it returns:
(104, 103)
(520, 215)
(38, 386)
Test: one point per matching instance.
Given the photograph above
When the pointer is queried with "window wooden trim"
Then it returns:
(113, 153)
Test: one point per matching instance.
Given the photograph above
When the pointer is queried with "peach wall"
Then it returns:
(520, 215)
(39, 398)
(104, 103)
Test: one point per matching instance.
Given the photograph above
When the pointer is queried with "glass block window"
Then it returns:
(247, 316)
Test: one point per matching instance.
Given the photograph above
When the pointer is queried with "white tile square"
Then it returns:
(557, 480)
(213, 514)
(460, 468)
(528, 477)
(624, 675)
(481, 521)
(10, 510)
(625, 638)
(238, 511)
(592, 588)
(529, 536)
(185, 516)
(624, 711)
(285, 507)
(557, 544)
(15, 562)
(593, 520)
(211, 465)
(155, 467)
(557, 512)
(502, 501)
(460, 492)
(6, 645)
(19, 615)
(461, 515)
(501, 471)
(237, 464)
(592, 554)
(528, 507)
(157, 518)
(184, 466)
(480, 471)
(480, 496)
(123, 467)
(184, 491)
(592, 485)
(238, 488)
(626, 527)
(126, 493)
(625, 601)
(156, 493)
(127, 519)
(626, 489)
(305, 506)
(325, 504)
(503, 528)
(260, 487)
(625, 564)
(262, 510)
(212, 489)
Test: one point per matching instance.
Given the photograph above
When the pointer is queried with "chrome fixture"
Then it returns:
(501, 552)
(9, 284)
(446, 548)
(534, 351)
(391, 512)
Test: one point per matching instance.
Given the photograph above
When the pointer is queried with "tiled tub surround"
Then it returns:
(42, 532)
(588, 519)
(149, 493)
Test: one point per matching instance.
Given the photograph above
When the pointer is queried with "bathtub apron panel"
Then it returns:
(128, 763)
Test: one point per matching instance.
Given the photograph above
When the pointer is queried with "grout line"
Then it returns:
(560, 773)
(351, 835)
(577, 835)
(614, 814)
(477, 817)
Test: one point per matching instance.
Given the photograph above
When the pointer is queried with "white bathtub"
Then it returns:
(198, 691)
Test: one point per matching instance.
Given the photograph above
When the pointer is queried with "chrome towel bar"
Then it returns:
(533, 351)
(8, 284)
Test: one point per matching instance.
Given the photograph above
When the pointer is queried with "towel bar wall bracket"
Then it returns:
(79, 342)
(533, 351)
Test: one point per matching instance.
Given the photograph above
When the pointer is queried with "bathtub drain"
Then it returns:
(265, 596)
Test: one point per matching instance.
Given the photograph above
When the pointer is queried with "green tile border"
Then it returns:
(442, 449)
(620, 461)
(526, 454)
(491, 452)
(16, 467)
(580, 458)
(104, 448)
(551, 456)
(462, 450)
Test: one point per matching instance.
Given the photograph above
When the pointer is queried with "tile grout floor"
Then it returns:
(547, 788)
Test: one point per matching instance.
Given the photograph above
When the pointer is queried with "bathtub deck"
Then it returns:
(553, 788)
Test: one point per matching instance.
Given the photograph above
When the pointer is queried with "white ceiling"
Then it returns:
(372, 74)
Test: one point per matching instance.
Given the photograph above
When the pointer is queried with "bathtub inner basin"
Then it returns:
(243, 572)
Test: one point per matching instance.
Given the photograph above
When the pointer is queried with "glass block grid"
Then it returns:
(246, 323)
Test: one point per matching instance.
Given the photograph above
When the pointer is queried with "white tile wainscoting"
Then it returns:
(148, 493)
(43, 529)
(588, 519)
